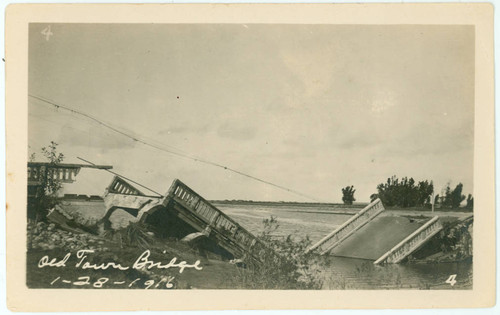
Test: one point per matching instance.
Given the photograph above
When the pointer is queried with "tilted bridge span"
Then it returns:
(184, 214)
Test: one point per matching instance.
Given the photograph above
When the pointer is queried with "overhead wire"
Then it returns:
(91, 163)
(129, 179)
(171, 151)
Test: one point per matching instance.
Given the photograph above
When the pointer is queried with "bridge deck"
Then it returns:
(412, 242)
(192, 209)
(348, 228)
(383, 238)
(376, 238)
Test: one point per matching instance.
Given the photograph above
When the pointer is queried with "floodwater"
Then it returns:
(349, 273)
(316, 221)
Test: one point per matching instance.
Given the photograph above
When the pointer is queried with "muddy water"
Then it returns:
(339, 272)
(350, 273)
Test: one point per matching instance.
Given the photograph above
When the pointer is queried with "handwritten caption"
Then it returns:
(100, 282)
(143, 262)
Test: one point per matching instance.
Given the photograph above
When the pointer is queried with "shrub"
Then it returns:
(47, 193)
(285, 265)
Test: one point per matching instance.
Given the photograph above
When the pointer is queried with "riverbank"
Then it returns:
(131, 258)
(341, 209)
(217, 273)
(333, 273)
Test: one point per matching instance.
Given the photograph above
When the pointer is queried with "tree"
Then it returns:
(46, 196)
(454, 197)
(348, 195)
(405, 192)
(51, 154)
(447, 196)
(424, 192)
(436, 199)
(470, 202)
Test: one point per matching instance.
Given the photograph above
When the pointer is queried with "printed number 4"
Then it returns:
(451, 280)
(47, 32)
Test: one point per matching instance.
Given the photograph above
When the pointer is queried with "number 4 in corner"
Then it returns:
(451, 280)
(47, 32)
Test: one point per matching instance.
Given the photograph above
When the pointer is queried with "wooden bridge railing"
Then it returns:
(412, 242)
(216, 219)
(348, 228)
(194, 210)
(120, 186)
(64, 173)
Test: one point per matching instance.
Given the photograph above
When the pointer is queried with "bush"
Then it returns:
(47, 193)
(285, 265)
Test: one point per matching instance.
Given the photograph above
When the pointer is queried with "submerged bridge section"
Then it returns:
(386, 238)
(184, 214)
(352, 225)
(412, 242)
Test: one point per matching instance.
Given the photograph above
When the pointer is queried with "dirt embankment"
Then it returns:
(452, 244)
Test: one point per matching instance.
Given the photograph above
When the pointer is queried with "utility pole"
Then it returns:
(432, 201)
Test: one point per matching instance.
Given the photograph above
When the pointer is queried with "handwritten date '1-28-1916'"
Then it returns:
(143, 262)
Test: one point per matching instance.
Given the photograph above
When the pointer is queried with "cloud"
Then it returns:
(94, 138)
(235, 131)
(382, 101)
(185, 128)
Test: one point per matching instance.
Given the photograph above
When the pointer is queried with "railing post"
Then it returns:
(172, 188)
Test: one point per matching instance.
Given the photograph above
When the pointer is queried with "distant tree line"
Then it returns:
(453, 198)
(404, 193)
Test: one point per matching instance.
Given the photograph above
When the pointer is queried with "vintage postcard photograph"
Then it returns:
(242, 157)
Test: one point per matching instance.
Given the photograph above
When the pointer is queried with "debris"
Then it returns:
(184, 214)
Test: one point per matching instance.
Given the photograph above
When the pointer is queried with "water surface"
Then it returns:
(350, 273)
(316, 222)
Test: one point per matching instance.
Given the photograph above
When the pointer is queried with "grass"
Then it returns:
(285, 265)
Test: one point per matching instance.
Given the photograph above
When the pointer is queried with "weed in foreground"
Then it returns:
(285, 264)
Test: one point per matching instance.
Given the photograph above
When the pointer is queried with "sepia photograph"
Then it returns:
(250, 155)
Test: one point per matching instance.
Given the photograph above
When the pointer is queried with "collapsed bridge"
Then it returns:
(184, 214)
(383, 239)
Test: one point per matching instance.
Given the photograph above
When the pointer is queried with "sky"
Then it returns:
(313, 108)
